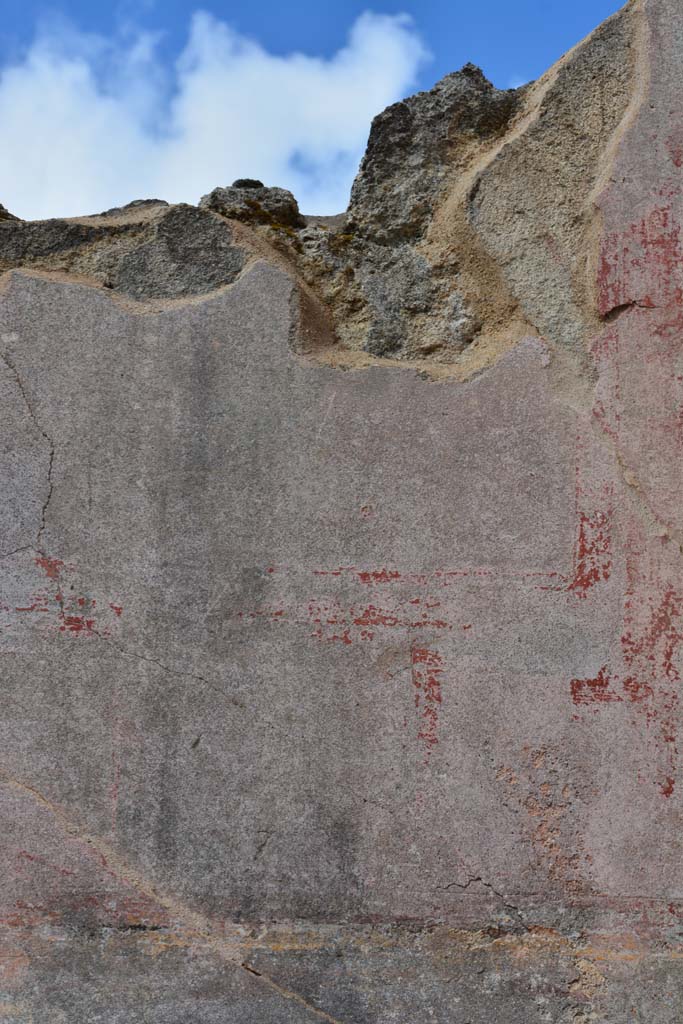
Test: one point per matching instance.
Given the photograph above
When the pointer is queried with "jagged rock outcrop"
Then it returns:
(470, 223)
(415, 146)
(249, 200)
(146, 250)
(356, 696)
(472, 213)
(389, 297)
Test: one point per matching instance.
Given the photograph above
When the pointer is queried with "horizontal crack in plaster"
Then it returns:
(473, 879)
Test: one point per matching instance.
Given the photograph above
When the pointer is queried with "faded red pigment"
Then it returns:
(52, 567)
(72, 615)
(639, 401)
(593, 552)
(401, 610)
(426, 676)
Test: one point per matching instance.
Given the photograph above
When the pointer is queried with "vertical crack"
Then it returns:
(51, 449)
(48, 499)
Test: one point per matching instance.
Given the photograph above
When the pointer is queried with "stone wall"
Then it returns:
(341, 617)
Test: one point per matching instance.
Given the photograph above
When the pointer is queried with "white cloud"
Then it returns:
(88, 124)
(516, 82)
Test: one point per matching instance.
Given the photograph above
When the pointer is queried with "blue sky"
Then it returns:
(101, 104)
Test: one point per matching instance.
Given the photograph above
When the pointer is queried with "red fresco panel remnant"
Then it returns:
(640, 270)
(426, 675)
(52, 567)
(594, 498)
(639, 410)
(411, 612)
(422, 606)
(645, 673)
(642, 264)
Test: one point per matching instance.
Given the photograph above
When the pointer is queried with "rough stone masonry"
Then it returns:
(341, 605)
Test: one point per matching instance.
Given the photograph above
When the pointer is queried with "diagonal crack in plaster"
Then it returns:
(197, 926)
(17, 551)
(136, 656)
(50, 442)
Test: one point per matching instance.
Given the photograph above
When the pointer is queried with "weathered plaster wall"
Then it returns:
(334, 686)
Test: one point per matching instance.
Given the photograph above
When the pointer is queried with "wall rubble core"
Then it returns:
(356, 696)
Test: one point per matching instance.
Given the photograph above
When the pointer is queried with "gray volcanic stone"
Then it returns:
(247, 183)
(190, 253)
(470, 221)
(389, 295)
(532, 205)
(249, 200)
(409, 156)
(23, 243)
(136, 204)
(146, 250)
